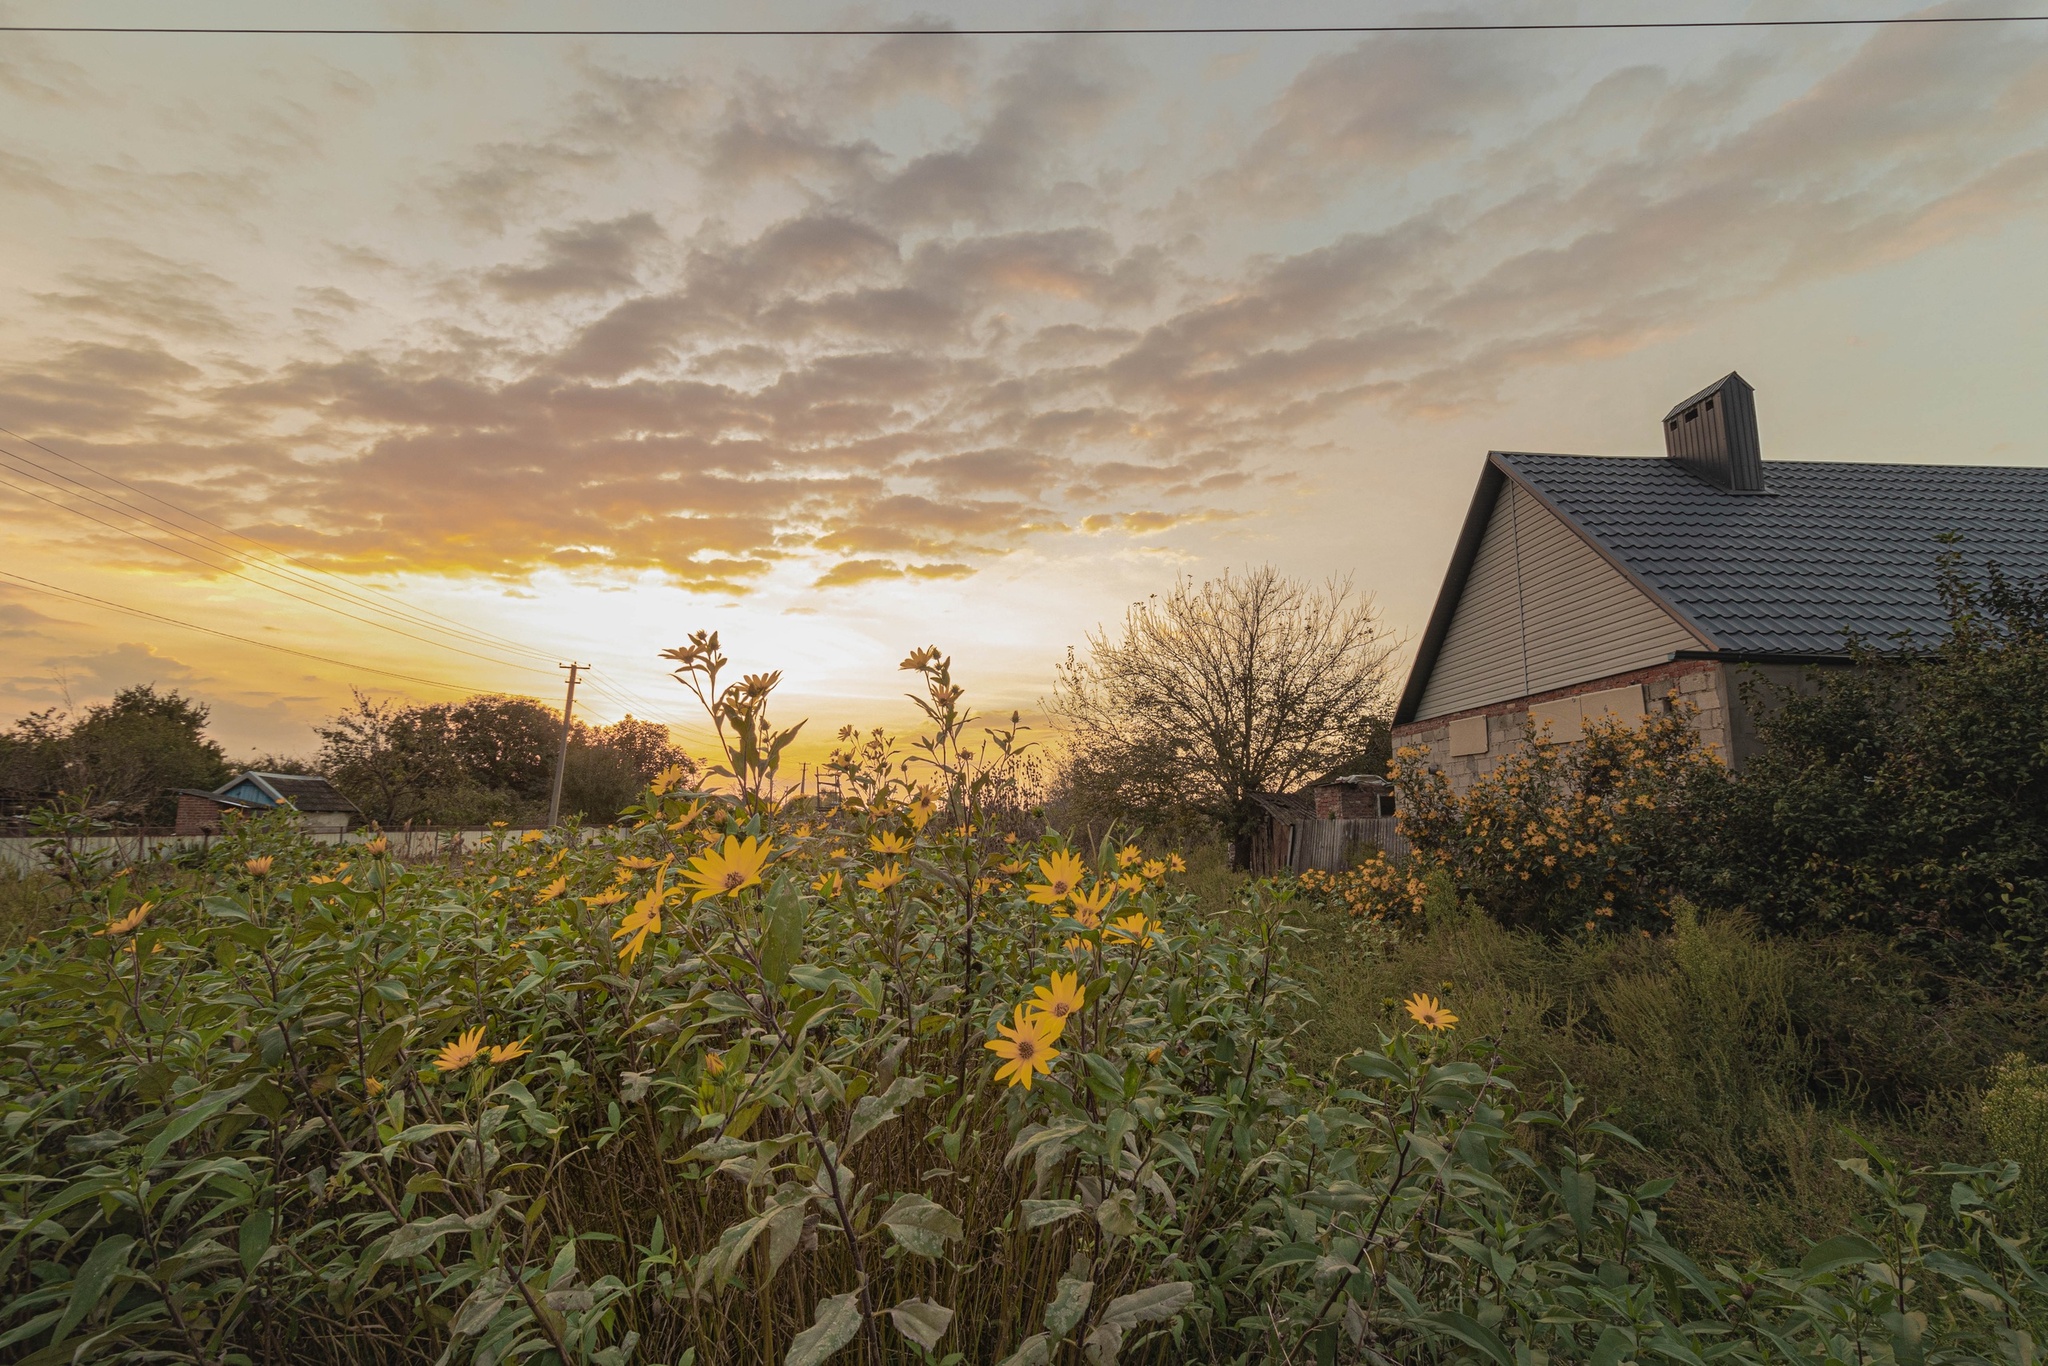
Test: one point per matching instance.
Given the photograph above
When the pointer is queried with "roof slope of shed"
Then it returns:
(307, 792)
(1829, 549)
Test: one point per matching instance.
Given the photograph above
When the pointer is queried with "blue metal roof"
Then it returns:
(1828, 549)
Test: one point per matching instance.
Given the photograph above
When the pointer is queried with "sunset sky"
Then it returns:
(842, 346)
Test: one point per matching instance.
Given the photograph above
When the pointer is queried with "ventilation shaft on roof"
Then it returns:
(1713, 434)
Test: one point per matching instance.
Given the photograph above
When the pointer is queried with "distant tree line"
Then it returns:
(120, 759)
(486, 758)
(482, 759)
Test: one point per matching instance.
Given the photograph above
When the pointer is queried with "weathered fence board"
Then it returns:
(1335, 845)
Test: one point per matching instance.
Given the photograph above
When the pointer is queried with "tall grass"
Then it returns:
(1737, 1060)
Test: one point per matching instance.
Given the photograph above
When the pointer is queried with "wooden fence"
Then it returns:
(1335, 845)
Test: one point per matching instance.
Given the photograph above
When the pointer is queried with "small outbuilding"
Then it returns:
(321, 807)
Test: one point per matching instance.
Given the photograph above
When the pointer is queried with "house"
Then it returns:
(321, 808)
(1584, 586)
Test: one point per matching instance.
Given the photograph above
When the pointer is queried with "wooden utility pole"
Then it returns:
(562, 755)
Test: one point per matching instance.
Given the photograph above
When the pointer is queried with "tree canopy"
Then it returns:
(121, 758)
(1248, 683)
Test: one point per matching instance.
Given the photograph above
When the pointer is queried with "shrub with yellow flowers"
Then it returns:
(1562, 835)
(755, 1079)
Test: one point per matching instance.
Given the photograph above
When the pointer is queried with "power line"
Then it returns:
(417, 616)
(72, 594)
(223, 569)
(1109, 31)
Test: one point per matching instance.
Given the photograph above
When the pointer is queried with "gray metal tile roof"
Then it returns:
(1829, 548)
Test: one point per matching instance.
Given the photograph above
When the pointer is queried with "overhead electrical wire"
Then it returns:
(413, 615)
(1102, 31)
(619, 696)
(223, 569)
(72, 594)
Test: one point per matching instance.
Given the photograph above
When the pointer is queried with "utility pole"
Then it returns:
(562, 756)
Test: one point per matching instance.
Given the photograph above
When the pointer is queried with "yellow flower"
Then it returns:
(737, 865)
(506, 1052)
(1128, 855)
(1012, 866)
(1177, 863)
(1056, 1002)
(551, 891)
(462, 1052)
(714, 1063)
(372, 1087)
(1132, 883)
(883, 878)
(1090, 920)
(1156, 1054)
(636, 863)
(610, 897)
(1026, 1046)
(1153, 870)
(920, 813)
(666, 779)
(259, 866)
(889, 843)
(1062, 873)
(644, 919)
(127, 923)
(379, 845)
(532, 836)
(828, 883)
(1089, 905)
(319, 879)
(1135, 929)
(1429, 1012)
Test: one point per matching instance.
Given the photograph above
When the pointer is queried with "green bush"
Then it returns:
(2016, 1118)
(1906, 796)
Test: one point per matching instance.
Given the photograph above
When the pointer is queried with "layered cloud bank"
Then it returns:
(729, 315)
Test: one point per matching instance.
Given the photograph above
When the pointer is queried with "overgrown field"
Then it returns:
(737, 1083)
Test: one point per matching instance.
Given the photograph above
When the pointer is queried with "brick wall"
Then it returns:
(1704, 683)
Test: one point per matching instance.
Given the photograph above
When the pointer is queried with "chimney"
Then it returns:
(1713, 434)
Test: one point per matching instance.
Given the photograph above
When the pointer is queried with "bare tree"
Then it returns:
(1248, 683)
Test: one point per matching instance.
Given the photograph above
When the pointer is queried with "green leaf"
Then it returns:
(1068, 1306)
(1580, 1192)
(255, 1239)
(872, 1112)
(482, 1305)
(1474, 1335)
(1612, 1349)
(923, 1321)
(384, 1048)
(1845, 1249)
(1126, 1312)
(1035, 1350)
(182, 1127)
(837, 1321)
(782, 932)
(1039, 1213)
(920, 1226)
(108, 1257)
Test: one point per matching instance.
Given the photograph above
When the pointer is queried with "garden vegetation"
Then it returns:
(915, 1079)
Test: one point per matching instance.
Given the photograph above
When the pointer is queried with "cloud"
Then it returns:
(586, 258)
(848, 573)
(910, 307)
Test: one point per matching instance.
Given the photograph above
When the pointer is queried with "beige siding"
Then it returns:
(1542, 610)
